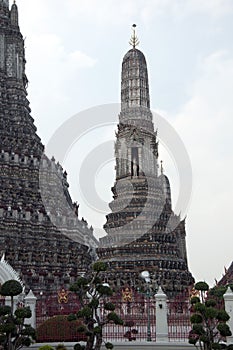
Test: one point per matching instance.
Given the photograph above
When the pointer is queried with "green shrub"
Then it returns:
(79, 347)
(222, 316)
(58, 328)
(46, 347)
(61, 347)
(203, 286)
(195, 300)
(11, 288)
(224, 329)
(109, 306)
(210, 302)
(196, 318)
(99, 266)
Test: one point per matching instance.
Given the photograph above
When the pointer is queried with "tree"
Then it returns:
(91, 291)
(208, 322)
(14, 334)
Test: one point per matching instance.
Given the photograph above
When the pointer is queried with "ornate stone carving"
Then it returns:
(42, 254)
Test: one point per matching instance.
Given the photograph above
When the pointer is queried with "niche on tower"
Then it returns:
(134, 162)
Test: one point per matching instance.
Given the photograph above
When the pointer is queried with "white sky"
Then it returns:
(74, 51)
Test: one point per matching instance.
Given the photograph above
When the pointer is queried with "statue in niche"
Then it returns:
(135, 168)
(134, 164)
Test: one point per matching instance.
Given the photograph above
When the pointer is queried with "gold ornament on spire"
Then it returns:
(134, 39)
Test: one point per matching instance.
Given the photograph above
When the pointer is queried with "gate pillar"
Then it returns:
(228, 299)
(30, 300)
(161, 316)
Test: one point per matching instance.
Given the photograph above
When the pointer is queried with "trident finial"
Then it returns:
(134, 39)
(161, 167)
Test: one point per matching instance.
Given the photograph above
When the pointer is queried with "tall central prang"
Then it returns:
(143, 233)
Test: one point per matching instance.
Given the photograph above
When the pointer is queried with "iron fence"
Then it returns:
(138, 315)
(137, 311)
(179, 312)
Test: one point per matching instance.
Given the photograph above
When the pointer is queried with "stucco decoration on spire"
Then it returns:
(5, 2)
(134, 39)
(135, 99)
(14, 14)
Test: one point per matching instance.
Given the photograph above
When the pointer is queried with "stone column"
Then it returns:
(30, 300)
(161, 316)
(228, 299)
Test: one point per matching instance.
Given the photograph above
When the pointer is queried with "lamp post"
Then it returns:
(149, 292)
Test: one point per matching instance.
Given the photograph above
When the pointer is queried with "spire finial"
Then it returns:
(161, 167)
(134, 39)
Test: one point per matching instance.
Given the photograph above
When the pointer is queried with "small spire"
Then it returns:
(161, 168)
(134, 39)
(14, 14)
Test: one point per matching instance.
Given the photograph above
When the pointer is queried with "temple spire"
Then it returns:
(14, 14)
(134, 78)
(134, 39)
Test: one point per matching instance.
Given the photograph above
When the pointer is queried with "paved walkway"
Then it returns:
(131, 346)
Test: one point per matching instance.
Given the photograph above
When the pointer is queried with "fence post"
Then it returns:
(228, 299)
(161, 316)
(30, 300)
(8, 302)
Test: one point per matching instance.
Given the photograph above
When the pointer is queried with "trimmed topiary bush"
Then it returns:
(59, 329)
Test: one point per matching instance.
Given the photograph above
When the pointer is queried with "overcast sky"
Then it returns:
(74, 51)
